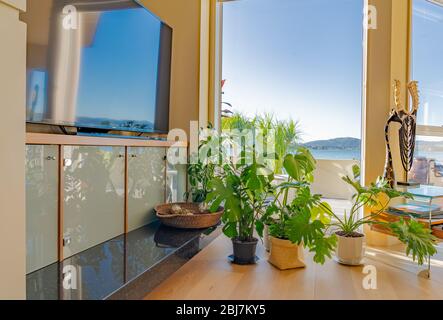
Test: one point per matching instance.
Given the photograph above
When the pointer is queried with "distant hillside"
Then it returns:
(337, 143)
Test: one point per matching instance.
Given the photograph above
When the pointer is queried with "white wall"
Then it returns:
(184, 17)
(12, 143)
(328, 178)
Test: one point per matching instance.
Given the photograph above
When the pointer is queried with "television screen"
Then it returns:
(102, 64)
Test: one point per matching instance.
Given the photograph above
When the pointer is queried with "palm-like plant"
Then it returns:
(236, 121)
(285, 133)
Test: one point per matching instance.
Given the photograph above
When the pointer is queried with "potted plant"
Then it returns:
(195, 214)
(199, 174)
(202, 170)
(301, 222)
(243, 188)
(350, 249)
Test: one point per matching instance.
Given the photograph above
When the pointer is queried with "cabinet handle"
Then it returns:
(121, 156)
(133, 156)
(49, 158)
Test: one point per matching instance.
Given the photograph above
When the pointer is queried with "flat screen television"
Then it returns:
(99, 66)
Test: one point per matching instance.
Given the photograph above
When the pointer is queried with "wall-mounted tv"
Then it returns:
(99, 65)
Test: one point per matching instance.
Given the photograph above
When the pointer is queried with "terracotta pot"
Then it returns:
(350, 250)
(286, 255)
(266, 238)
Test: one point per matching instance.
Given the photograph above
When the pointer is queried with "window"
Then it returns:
(299, 60)
(302, 61)
(427, 69)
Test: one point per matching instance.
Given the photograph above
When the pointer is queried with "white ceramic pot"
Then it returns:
(266, 240)
(350, 251)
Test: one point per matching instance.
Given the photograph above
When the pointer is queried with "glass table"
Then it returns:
(425, 196)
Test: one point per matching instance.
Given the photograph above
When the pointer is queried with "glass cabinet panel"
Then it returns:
(146, 184)
(94, 190)
(41, 206)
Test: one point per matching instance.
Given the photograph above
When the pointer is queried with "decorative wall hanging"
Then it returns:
(407, 118)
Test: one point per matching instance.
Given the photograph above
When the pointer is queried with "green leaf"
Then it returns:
(253, 182)
(322, 212)
(291, 185)
(323, 247)
(292, 167)
(230, 230)
(215, 204)
(301, 229)
(418, 239)
(355, 184)
(356, 171)
(267, 217)
(300, 165)
(259, 226)
(263, 171)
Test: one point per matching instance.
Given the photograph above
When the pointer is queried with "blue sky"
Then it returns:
(303, 59)
(123, 60)
(299, 59)
(427, 60)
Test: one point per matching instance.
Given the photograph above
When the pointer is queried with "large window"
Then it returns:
(299, 60)
(427, 69)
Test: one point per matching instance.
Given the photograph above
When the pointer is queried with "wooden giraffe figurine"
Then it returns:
(408, 120)
(389, 173)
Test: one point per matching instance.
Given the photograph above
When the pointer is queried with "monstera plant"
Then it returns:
(300, 222)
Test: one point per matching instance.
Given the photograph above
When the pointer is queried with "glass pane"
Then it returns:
(94, 190)
(41, 206)
(146, 184)
(427, 62)
(428, 162)
(278, 58)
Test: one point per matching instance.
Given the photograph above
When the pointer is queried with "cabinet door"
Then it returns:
(94, 190)
(41, 206)
(146, 184)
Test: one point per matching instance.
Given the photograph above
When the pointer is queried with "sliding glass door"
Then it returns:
(427, 69)
(299, 62)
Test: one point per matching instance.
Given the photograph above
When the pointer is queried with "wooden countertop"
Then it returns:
(210, 276)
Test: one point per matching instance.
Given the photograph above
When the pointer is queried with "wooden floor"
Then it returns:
(209, 276)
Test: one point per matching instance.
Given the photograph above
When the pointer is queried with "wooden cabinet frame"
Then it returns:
(66, 140)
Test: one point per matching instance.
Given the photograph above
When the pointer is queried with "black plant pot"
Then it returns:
(244, 251)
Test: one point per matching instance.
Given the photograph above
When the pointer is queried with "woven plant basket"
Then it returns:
(196, 221)
(286, 255)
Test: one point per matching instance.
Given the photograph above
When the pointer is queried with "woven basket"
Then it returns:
(196, 221)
